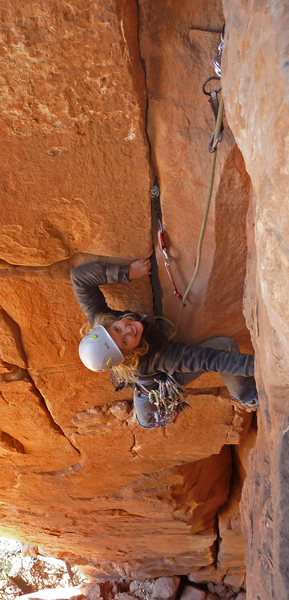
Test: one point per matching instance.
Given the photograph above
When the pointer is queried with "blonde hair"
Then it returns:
(127, 370)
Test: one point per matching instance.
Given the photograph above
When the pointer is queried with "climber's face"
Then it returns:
(126, 334)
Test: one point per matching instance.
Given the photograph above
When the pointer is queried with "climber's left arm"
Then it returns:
(177, 356)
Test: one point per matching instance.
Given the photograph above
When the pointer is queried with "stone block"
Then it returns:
(192, 593)
(234, 580)
(211, 587)
(94, 591)
(220, 589)
(206, 575)
(165, 588)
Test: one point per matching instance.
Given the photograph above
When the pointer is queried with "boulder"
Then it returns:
(234, 580)
(206, 575)
(124, 596)
(192, 593)
(165, 588)
(241, 596)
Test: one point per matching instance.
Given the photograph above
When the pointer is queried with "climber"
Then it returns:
(137, 353)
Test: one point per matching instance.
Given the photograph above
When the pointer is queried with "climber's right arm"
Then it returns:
(86, 280)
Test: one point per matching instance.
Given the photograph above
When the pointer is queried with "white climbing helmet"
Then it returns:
(98, 351)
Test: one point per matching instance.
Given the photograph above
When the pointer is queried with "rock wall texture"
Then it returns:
(96, 99)
(256, 88)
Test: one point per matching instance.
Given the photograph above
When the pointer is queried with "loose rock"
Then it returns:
(234, 579)
(192, 593)
(220, 590)
(211, 587)
(165, 588)
(93, 591)
(124, 596)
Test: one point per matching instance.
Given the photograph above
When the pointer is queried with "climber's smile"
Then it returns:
(126, 334)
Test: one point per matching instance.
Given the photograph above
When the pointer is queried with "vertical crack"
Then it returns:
(154, 276)
(142, 61)
(227, 503)
(133, 446)
(217, 542)
(17, 373)
(54, 425)
(15, 332)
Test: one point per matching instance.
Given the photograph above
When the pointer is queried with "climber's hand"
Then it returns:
(139, 268)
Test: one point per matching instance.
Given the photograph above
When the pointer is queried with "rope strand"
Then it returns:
(206, 211)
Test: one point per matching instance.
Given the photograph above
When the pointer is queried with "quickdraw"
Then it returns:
(165, 394)
(167, 397)
(213, 100)
(218, 58)
(164, 242)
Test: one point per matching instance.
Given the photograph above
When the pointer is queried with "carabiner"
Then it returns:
(207, 81)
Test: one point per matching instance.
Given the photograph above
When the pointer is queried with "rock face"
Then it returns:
(97, 99)
(176, 50)
(260, 62)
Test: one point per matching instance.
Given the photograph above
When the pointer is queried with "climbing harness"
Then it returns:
(163, 239)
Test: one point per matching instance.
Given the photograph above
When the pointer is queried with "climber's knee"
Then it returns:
(223, 342)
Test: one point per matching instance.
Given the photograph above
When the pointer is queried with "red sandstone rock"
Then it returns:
(71, 593)
(142, 589)
(78, 475)
(165, 588)
(260, 124)
(180, 126)
(76, 133)
(93, 591)
(241, 596)
(125, 596)
(220, 590)
(192, 593)
(209, 574)
(232, 545)
(211, 587)
(234, 579)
